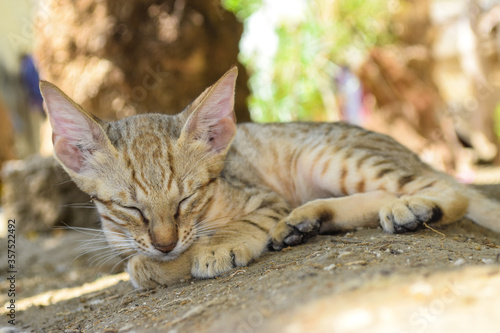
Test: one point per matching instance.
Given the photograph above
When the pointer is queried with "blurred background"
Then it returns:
(426, 72)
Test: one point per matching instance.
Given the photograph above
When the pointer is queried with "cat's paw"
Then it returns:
(149, 273)
(213, 260)
(408, 214)
(139, 269)
(295, 229)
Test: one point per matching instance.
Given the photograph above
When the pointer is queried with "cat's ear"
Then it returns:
(75, 134)
(211, 116)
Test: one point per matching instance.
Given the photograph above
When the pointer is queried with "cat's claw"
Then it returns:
(291, 232)
(408, 214)
(294, 238)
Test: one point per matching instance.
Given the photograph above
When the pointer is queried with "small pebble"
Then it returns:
(330, 267)
(488, 261)
(125, 328)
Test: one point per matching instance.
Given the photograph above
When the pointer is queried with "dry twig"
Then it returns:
(437, 232)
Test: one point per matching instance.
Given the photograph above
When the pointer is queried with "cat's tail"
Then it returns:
(483, 210)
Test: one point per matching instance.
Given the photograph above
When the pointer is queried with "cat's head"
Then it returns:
(151, 176)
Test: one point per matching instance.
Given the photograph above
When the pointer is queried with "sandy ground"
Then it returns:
(364, 281)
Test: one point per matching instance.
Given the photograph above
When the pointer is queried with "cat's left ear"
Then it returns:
(211, 115)
(77, 135)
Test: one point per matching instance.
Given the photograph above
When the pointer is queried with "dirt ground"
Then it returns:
(365, 281)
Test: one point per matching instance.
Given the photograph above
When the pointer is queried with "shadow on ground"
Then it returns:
(428, 281)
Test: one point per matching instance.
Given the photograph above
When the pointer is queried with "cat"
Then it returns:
(195, 194)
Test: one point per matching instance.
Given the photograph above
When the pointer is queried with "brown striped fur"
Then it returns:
(190, 194)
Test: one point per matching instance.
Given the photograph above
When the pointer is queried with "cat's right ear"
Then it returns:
(75, 134)
(211, 116)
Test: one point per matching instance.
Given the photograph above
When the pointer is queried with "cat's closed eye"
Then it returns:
(138, 211)
(181, 205)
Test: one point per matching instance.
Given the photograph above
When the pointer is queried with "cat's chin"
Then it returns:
(168, 256)
(165, 257)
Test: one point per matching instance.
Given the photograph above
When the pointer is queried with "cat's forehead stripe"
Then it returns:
(171, 166)
(147, 152)
(145, 142)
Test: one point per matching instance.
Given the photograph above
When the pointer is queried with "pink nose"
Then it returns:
(165, 248)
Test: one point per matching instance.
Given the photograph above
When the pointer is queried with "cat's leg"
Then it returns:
(428, 200)
(146, 272)
(330, 215)
(438, 200)
(237, 244)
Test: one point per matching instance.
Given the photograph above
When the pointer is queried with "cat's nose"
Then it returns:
(163, 235)
(165, 248)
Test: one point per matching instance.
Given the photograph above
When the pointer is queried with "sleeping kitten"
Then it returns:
(195, 194)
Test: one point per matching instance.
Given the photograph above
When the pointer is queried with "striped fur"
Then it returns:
(190, 194)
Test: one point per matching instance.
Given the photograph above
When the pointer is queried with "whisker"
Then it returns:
(99, 256)
(217, 234)
(99, 262)
(212, 222)
(90, 202)
(88, 231)
(64, 182)
(81, 207)
(100, 265)
(95, 255)
(95, 245)
(112, 257)
(94, 240)
(124, 245)
(102, 247)
(207, 221)
(126, 258)
(212, 225)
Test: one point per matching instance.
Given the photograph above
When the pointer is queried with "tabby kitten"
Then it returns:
(191, 194)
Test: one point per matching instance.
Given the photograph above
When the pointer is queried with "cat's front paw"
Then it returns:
(302, 224)
(213, 260)
(149, 273)
(408, 214)
(139, 269)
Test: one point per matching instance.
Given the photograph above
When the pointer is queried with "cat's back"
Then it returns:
(291, 132)
(259, 138)
(292, 157)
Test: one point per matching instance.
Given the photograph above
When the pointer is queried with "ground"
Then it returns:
(433, 280)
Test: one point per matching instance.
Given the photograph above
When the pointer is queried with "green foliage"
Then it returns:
(300, 83)
(242, 8)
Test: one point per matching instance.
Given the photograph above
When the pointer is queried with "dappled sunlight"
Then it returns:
(54, 296)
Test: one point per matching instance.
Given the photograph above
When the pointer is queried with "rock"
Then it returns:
(39, 194)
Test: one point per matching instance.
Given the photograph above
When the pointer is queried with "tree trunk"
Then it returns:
(7, 151)
(120, 58)
(401, 80)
